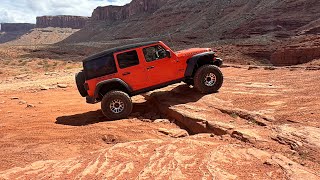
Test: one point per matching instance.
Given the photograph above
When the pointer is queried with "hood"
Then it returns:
(191, 52)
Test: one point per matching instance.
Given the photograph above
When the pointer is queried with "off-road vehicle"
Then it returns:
(113, 76)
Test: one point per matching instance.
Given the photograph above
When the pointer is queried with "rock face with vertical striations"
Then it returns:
(192, 22)
(114, 13)
(205, 20)
(16, 27)
(294, 56)
(74, 22)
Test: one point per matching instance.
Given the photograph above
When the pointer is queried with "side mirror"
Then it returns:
(168, 53)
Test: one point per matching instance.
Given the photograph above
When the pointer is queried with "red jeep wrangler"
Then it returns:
(113, 76)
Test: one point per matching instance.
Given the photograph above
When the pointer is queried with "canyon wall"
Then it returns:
(16, 27)
(294, 56)
(114, 13)
(267, 24)
(74, 22)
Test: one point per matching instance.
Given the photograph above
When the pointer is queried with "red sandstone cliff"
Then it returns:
(114, 13)
(74, 22)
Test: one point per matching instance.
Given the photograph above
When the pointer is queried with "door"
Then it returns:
(160, 67)
(131, 70)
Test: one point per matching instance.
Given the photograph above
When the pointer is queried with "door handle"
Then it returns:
(126, 73)
(150, 67)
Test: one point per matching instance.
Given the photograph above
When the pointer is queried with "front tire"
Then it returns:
(116, 105)
(208, 79)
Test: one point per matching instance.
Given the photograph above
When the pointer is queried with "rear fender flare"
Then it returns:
(112, 81)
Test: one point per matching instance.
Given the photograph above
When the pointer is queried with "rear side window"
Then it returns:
(100, 67)
(128, 59)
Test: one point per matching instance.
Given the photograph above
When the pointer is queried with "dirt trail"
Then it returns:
(266, 119)
(61, 125)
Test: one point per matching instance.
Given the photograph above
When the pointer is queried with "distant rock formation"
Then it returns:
(74, 22)
(114, 13)
(294, 56)
(16, 27)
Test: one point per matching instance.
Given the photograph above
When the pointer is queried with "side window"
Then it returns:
(128, 59)
(154, 53)
(100, 67)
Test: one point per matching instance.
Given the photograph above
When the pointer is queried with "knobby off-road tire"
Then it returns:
(80, 80)
(116, 105)
(208, 79)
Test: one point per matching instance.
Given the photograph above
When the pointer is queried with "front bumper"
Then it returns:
(219, 61)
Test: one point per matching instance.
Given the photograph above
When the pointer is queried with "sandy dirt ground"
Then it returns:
(57, 123)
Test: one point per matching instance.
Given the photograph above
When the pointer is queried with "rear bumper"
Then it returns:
(91, 100)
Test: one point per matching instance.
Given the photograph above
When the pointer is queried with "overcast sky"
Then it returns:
(26, 11)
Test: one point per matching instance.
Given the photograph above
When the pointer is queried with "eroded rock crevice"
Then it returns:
(196, 125)
(249, 127)
(149, 111)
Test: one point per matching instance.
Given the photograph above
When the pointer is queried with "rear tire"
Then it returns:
(116, 105)
(208, 79)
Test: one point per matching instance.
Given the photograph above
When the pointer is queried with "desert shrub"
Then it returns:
(23, 63)
(234, 115)
(46, 65)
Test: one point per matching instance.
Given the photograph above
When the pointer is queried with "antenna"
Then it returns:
(172, 44)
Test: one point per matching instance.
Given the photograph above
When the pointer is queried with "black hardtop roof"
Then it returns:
(118, 49)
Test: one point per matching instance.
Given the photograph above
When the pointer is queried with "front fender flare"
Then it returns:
(193, 61)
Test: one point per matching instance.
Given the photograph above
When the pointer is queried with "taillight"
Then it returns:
(86, 86)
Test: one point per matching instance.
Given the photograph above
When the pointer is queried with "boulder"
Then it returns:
(62, 85)
(162, 121)
(22, 102)
(43, 87)
(175, 133)
(30, 106)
